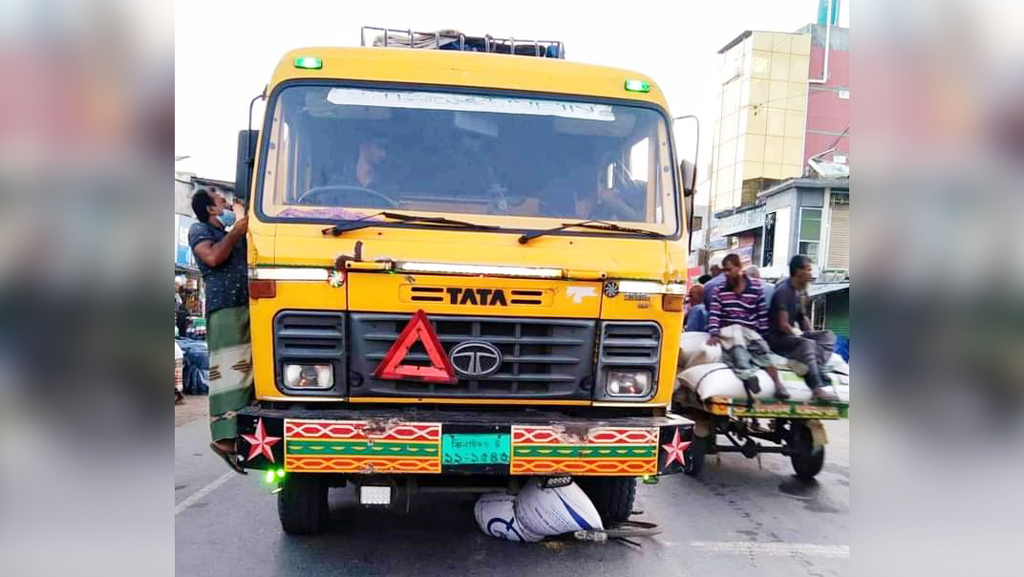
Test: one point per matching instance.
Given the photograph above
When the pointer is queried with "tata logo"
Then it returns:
(481, 296)
(475, 359)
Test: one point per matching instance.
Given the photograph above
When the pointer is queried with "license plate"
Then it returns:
(475, 449)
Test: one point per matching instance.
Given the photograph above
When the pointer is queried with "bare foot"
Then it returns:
(822, 394)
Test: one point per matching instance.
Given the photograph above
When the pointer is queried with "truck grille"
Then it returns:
(541, 358)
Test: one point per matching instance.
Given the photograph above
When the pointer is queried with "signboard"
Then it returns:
(719, 243)
(696, 239)
(183, 256)
(741, 221)
(746, 253)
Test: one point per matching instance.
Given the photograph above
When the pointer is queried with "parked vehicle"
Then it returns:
(467, 268)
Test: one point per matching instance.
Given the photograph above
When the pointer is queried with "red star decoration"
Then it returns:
(261, 443)
(675, 449)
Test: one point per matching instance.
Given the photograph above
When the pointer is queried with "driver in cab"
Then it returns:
(363, 171)
(589, 196)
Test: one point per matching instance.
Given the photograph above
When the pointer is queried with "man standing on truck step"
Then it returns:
(790, 332)
(736, 319)
(220, 256)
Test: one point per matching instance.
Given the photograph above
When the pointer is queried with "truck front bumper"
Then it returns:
(417, 441)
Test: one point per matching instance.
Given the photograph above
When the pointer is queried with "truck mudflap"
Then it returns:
(397, 441)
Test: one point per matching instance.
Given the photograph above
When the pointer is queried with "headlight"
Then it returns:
(308, 376)
(628, 383)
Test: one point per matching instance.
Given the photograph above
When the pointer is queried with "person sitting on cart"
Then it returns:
(697, 315)
(736, 319)
(790, 333)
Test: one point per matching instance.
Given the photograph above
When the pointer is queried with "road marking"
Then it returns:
(774, 549)
(193, 499)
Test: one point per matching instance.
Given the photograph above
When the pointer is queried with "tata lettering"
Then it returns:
(480, 296)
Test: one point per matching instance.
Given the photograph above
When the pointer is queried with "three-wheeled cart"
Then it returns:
(730, 419)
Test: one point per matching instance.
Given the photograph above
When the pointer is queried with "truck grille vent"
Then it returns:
(630, 343)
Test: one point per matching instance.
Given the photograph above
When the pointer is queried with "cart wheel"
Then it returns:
(806, 458)
(694, 455)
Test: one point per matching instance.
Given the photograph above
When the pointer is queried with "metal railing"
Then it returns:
(455, 40)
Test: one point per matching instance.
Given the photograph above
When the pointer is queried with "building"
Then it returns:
(779, 106)
(783, 109)
(761, 120)
(809, 216)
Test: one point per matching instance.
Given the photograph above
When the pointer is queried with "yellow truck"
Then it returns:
(466, 268)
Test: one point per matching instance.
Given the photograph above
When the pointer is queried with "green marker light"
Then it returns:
(269, 476)
(280, 473)
(309, 63)
(638, 86)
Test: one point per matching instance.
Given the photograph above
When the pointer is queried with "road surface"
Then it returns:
(735, 519)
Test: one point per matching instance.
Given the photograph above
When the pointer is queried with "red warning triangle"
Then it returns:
(418, 329)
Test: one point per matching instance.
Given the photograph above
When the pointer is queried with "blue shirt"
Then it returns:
(769, 291)
(710, 286)
(697, 319)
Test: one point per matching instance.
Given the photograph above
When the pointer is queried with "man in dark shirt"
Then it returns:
(789, 332)
(220, 256)
(360, 171)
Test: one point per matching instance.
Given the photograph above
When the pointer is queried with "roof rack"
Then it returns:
(455, 40)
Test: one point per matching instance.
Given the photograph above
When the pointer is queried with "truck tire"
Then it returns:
(611, 496)
(695, 455)
(807, 459)
(302, 504)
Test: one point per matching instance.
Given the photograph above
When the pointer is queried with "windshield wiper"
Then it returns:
(594, 224)
(364, 222)
(439, 220)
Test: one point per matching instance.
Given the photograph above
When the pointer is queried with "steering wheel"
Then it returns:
(337, 191)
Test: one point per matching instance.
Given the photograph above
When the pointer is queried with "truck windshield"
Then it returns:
(342, 153)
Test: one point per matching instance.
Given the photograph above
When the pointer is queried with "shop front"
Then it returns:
(187, 283)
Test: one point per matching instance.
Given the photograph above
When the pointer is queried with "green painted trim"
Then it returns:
(360, 448)
(793, 409)
(586, 452)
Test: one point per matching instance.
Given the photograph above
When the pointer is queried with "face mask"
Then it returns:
(227, 218)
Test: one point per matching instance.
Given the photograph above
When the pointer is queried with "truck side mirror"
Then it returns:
(688, 174)
(244, 162)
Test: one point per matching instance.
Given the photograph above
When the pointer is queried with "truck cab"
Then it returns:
(466, 269)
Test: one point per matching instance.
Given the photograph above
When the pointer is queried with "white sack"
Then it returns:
(547, 512)
(495, 515)
(717, 379)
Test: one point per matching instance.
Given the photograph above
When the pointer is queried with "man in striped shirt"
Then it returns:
(736, 319)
